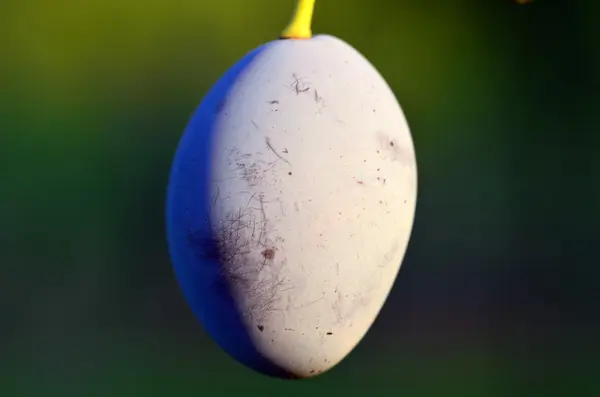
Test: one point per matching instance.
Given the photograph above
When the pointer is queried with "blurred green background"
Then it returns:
(498, 292)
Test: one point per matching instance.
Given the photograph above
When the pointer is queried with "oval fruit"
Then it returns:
(290, 205)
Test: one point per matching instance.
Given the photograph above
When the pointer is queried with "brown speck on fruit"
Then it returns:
(290, 173)
(330, 333)
(260, 328)
(285, 150)
(273, 102)
(268, 253)
(360, 182)
(393, 151)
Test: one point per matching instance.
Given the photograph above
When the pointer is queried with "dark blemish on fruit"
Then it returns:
(360, 182)
(273, 102)
(329, 333)
(404, 201)
(377, 151)
(316, 327)
(271, 148)
(285, 150)
(260, 328)
(378, 169)
(289, 329)
(380, 202)
(290, 173)
(364, 161)
(228, 244)
(268, 253)
(393, 151)
(317, 97)
(220, 106)
(374, 111)
(384, 180)
(312, 371)
(298, 86)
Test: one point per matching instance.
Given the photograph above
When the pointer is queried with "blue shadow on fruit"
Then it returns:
(195, 252)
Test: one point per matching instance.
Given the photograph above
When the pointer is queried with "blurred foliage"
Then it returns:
(497, 294)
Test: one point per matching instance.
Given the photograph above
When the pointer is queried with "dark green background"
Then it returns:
(498, 292)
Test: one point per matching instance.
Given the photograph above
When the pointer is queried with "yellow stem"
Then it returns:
(300, 24)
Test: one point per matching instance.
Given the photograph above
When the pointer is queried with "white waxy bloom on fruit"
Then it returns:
(291, 203)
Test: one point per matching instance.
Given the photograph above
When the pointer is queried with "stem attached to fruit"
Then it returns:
(300, 24)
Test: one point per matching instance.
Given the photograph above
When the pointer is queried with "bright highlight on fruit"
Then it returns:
(291, 202)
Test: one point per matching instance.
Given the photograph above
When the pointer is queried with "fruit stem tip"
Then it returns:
(300, 24)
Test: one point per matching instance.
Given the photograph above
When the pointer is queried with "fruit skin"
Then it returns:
(290, 205)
